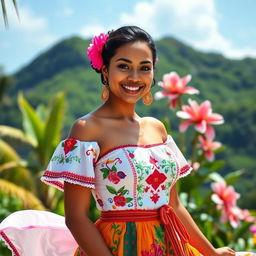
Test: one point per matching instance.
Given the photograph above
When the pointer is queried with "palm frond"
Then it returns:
(15, 134)
(5, 12)
(29, 200)
(11, 164)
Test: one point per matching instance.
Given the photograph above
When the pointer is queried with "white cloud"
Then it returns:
(92, 30)
(30, 28)
(194, 22)
(65, 12)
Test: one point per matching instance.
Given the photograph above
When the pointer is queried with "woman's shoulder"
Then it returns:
(85, 128)
(156, 124)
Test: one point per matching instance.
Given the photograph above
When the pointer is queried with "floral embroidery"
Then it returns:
(115, 241)
(154, 162)
(119, 198)
(155, 197)
(156, 250)
(156, 179)
(93, 152)
(142, 168)
(111, 173)
(159, 247)
(69, 145)
(61, 159)
(99, 201)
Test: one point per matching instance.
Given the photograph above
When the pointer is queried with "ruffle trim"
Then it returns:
(9, 244)
(185, 170)
(57, 179)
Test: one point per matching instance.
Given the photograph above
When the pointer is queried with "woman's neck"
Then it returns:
(121, 110)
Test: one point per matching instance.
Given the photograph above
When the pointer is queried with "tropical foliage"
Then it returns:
(4, 12)
(215, 210)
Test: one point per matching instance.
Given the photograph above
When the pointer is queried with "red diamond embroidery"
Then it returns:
(156, 179)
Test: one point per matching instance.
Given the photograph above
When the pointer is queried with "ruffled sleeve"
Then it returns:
(184, 167)
(73, 161)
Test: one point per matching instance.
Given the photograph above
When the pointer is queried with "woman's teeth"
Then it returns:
(131, 88)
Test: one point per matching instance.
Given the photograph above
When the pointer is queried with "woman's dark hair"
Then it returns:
(122, 36)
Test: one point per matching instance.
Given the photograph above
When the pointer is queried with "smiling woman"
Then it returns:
(128, 163)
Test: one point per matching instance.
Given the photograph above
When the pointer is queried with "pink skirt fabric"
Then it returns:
(37, 233)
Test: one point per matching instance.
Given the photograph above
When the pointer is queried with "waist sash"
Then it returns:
(175, 233)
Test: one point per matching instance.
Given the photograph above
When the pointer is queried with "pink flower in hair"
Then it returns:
(94, 50)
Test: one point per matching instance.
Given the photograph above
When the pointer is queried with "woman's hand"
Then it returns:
(224, 251)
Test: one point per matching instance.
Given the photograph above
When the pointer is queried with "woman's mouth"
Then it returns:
(131, 89)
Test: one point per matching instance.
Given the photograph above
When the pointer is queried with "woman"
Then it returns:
(129, 163)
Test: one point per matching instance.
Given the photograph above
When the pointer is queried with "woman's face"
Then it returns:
(130, 73)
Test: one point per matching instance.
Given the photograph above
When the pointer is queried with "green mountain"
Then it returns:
(229, 84)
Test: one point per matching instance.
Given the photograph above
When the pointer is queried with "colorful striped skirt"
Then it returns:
(144, 233)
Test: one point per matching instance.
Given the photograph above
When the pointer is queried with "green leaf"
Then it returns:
(114, 168)
(232, 177)
(121, 189)
(111, 190)
(105, 172)
(126, 191)
(129, 199)
(33, 125)
(53, 126)
(216, 177)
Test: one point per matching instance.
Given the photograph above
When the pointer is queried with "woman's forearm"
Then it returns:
(88, 237)
(196, 237)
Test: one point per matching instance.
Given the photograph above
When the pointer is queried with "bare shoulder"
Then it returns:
(85, 128)
(157, 124)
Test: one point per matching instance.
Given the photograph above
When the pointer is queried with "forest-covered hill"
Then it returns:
(229, 84)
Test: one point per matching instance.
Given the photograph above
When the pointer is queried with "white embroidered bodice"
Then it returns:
(126, 177)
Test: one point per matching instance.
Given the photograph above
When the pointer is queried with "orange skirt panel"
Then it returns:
(142, 237)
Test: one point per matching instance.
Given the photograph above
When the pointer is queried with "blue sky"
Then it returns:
(227, 27)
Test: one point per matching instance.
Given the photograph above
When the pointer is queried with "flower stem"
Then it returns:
(194, 149)
(181, 134)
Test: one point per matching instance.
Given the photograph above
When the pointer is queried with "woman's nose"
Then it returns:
(134, 75)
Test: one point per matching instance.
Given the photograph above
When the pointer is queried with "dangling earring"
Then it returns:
(105, 93)
(147, 98)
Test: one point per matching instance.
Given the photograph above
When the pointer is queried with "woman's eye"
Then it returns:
(123, 66)
(146, 68)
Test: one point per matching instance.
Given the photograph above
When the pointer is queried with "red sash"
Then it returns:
(175, 233)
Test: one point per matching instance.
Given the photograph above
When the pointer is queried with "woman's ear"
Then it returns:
(105, 72)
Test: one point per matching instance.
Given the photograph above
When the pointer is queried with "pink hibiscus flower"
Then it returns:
(208, 146)
(174, 87)
(225, 197)
(94, 50)
(253, 229)
(201, 116)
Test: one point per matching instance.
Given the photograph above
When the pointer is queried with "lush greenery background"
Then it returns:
(229, 84)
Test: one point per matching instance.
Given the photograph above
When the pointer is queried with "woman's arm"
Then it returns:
(196, 237)
(77, 203)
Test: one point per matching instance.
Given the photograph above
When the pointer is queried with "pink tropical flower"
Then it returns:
(174, 87)
(246, 216)
(94, 50)
(225, 197)
(201, 116)
(208, 146)
(253, 229)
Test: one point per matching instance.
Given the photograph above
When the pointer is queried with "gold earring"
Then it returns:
(105, 93)
(147, 98)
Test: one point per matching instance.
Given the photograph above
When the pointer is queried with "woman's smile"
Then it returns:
(132, 88)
